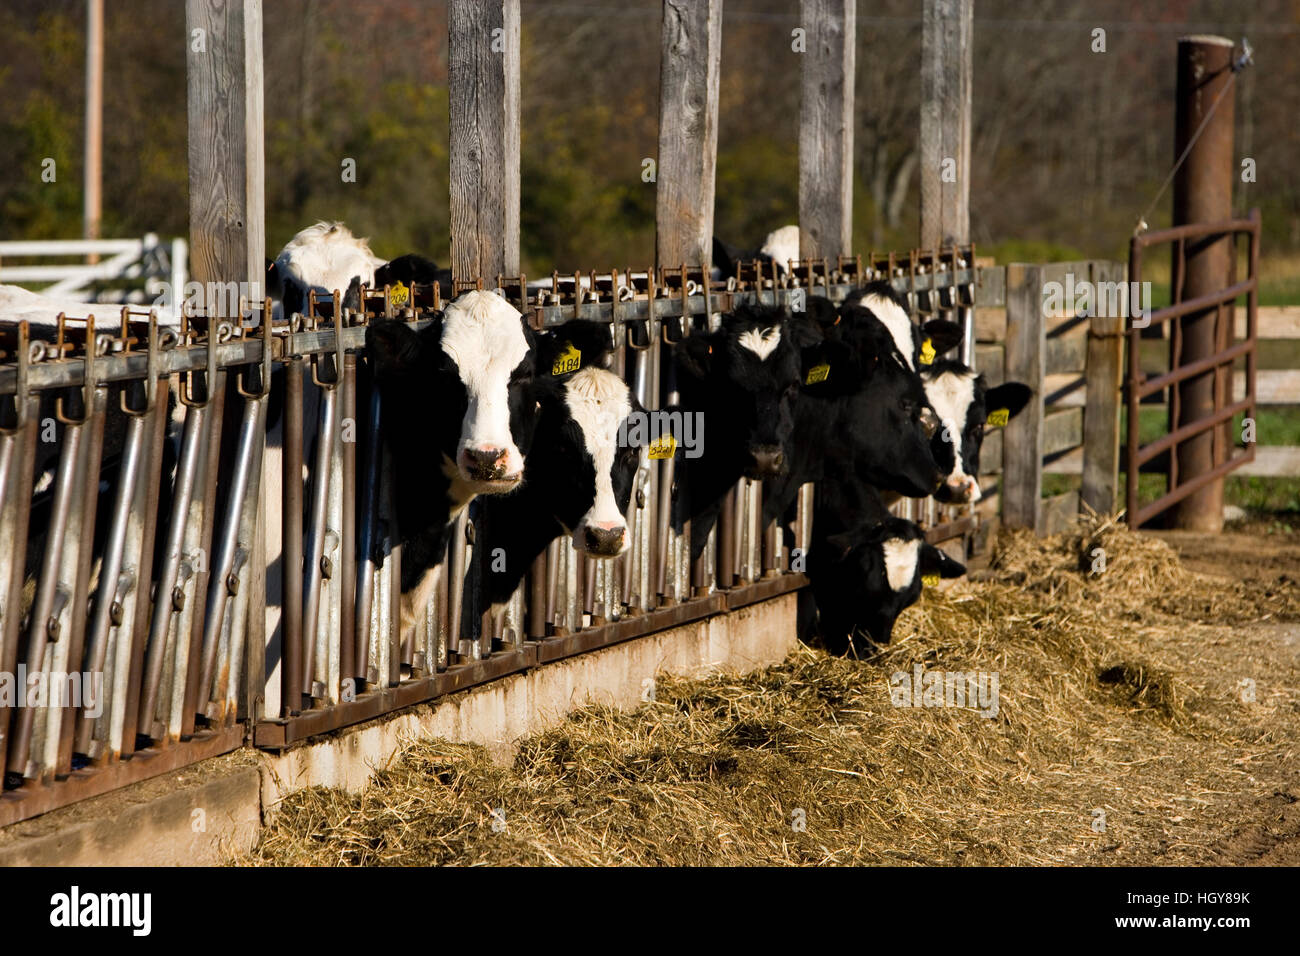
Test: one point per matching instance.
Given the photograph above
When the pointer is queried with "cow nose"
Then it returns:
(767, 461)
(604, 539)
(960, 488)
(484, 464)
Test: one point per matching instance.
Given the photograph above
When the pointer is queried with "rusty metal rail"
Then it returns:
(1139, 385)
(243, 583)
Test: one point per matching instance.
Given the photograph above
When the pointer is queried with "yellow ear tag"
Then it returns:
(663, 447)
(930, 580)
(999, 417)
(927, 353)
(570, 360)
(399, 295)
(818, 373)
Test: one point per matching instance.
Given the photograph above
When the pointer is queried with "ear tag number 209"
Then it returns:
(570, 360)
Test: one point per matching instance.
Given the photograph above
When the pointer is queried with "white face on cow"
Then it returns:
(598, 402)
(952, 394)
(896, 320)
(326, 257)
(484, 335)
(762, 342)
(901, 556)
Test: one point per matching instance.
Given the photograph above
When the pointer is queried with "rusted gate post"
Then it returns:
(227, 193)
(826, 128)
(1202, 193)
(483, 76)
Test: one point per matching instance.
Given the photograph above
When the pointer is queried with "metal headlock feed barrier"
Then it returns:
(243, 584)
(1217, 365)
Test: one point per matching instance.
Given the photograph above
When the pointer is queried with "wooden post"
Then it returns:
(946, 30)
(690, 65)
(227, 199)
(1022, 440)
(1101, 416)
(1202, 193)
(483, 76)
(826, 128)
(92, 177)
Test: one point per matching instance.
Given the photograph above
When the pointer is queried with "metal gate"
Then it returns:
(1219, 364)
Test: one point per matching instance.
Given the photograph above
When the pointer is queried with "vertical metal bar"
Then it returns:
(1134, 383)
(137, 605)
(369, 535)
(348, 544)
(292, 623)
(198, 533)
(113, 582)
(317, 532)
(17, 460)
(226, 553)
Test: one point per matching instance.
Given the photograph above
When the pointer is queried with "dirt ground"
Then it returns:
(1147, 713)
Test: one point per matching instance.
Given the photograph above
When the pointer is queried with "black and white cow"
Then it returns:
(861, 414)
(324, 257)
(865, 567)
(966, 407)
(742, 380)
(918, 344)
(459, 410)
(578, 479)
(462, 401)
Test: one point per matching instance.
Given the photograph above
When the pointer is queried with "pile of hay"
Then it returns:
(1119, 736)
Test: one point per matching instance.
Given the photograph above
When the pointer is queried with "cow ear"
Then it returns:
(393, 347)
(352, 298)
(935, 561)
(695, 355)
(943, 335)
(274, 280)
(578, 343)
(1006, 401)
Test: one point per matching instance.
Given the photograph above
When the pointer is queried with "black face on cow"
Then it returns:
(865, 577)
(889, 422)
(966, 408)
(744, 378)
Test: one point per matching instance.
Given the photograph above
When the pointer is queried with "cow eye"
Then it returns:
(929, 422)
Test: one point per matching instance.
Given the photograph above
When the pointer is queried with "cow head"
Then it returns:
(919, 345)
(881, 565)
(888, 421)
(966, 407)
(471, 373)
(580, 456)
(745, 377)
(325, 257)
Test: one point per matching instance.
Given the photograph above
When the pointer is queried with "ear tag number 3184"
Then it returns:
(567, 361)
